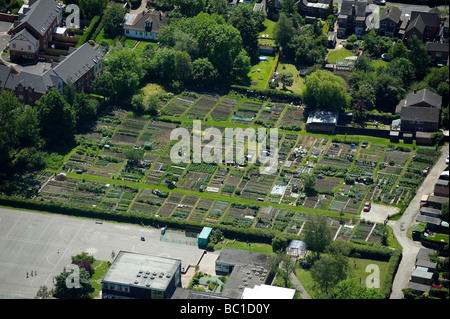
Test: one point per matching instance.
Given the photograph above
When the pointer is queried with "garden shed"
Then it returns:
(204, 236)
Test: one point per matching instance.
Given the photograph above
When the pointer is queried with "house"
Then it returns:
(312, 9)
(352, 18)
(438, 52)
(144, 25)
(29, 87)
(79, 67)
(138, 276)
(420, 111)
(390, 22)
(419, 119)
(424, 25)
(34, 28)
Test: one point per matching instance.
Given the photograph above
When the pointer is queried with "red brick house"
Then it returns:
(34, 28)
(424, 25)
(80, 67)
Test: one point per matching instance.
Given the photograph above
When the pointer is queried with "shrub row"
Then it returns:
(248, 234)
(89, 31)
(275, 95)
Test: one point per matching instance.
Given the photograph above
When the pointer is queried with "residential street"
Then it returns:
(401, 226)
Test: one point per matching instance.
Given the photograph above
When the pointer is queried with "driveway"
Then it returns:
(378, 213)
(401, 226)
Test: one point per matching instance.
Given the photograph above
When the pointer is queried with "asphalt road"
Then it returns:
(401, 226)
(44, 243)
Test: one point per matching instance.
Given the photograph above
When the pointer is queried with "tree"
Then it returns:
(363, 63)
(332, 268)
(326, 91)
(203, 71)
(191, 8)
(125, 67)
(43, 293)
(309, 181)
(350, 289)
(279, 243)
(104, 85)
(418, 55)
(64, 291)
(389, 90)
(85, 109)
(112, 18)
(56, 119)
(359, 115)
(402, 69)
(283, 30)
(287, 266)
(242, 17)
(163, 64)
(19, 130)
(286, 79)
(183, 66)
(398, 50)
(91, 8)
(317, 233)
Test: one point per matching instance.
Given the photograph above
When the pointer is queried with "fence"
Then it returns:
(179, 238)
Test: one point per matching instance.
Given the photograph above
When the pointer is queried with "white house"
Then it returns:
(145, 25)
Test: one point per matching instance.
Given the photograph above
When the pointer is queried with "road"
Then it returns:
(401, 226)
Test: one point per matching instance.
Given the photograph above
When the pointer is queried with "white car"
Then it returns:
(380, 2)
(446, 161)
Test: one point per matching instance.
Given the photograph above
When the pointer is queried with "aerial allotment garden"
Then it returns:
(123, 166)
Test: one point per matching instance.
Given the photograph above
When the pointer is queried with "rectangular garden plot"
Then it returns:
(200, 211)
(202, 107)
(178, 106)
(246, 112)
(292, 119)
(58, 189)
(240, 215)
(270, 114)
(88, 194)
(216, 212)
(223, 110)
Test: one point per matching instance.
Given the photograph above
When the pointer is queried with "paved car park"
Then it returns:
(44, 243)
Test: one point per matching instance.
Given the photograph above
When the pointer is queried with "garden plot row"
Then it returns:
(178, 106)
(203, 106)
(246, 112)
(224, 109)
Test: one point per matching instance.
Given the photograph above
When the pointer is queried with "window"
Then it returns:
(411, 122)
(14, 45)
(29, 48)
(419, 129)
(419, 122)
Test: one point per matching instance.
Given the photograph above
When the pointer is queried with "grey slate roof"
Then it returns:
(39, 83)
(157, 19)
(428, 18)
(40, 15)
(426, 96)
(417, 113)
(360, 8)
(392, 13)
(25, 34)
(439, 47)
(417, 22)
(76, 63)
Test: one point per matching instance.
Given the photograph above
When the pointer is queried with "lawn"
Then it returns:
(377, 63)
(254, 247)
(357, 270)
(299, 82)
(260, 73)
(333, 56)
(100, 268)
(269, 24)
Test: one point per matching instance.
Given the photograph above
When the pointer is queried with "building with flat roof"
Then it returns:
(138, 276)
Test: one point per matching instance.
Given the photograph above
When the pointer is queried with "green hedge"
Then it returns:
(382, 254)
(268, 93)
(89, 31)
(252, 234)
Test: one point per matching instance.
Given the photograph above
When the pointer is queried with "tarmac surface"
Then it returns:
(43, 243)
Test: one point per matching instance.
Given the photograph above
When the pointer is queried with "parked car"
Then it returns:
(380, 2)
(446, 161)
(367, 206)
(384, 57)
